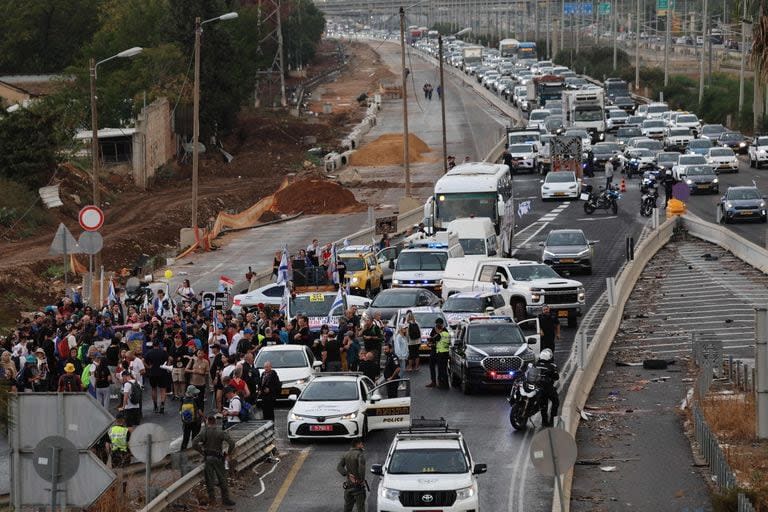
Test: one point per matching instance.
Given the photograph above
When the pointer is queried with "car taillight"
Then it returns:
(236, 302)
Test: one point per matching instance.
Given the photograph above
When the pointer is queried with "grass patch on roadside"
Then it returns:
(21, 210)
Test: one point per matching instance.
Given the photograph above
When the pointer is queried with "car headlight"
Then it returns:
(548, 254)
(762, 204)
(395, 281)
(594, 159)
(535, 295)
(465, 493)
(583, 253)
(473, 356)
(714, 180)
(544, 187)
(742, 144)
(729, 205)
(581, 295)
(572, 186)
(354, 280)
(690, 182)
(350, 416)
(297, 417)
(390, 494)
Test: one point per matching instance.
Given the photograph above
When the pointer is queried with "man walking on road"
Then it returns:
(269, 390)
(549, 329)
(191, 416)
(352, 466)
(210, 442)
(608, 173)
(435, 345)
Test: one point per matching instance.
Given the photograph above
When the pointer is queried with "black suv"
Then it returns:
(487, 351)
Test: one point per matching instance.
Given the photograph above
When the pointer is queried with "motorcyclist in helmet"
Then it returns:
(549, 374)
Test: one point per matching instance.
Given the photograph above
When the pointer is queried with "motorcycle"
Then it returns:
(525, 397)
(650, 180)
(648, 201)
(605, 199)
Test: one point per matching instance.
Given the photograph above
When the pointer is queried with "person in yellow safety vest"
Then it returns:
(440, 344)
(118, 442)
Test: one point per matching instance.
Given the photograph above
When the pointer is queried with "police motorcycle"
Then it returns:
(650, 192)
(525, 397)
(606, 199)
(650, 179)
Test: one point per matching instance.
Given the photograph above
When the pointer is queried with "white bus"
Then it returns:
(508, 48)
(475, 189)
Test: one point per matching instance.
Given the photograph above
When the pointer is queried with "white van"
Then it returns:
(477, 235)
(422, 263)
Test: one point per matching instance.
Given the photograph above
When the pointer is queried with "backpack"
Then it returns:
(85, 378)
(62, 347)
(102, 376)
(188, 411)
(414, 332)
(69, 382)
(135, 396)
(245, 409)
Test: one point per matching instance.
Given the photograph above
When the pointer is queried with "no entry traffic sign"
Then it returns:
(91, 218)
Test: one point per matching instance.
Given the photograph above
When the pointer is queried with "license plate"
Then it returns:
(321, 428)
(559, 193)
(562, 314)
(746, 213)
(285, 392)
(584, 197)
(567, 260)
(703, 186)
(501, 376)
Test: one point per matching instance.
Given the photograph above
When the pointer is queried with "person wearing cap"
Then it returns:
(210, 442)
(27, 381)
(118, 442)
(191, 416)
(69, 382)
(232, 410)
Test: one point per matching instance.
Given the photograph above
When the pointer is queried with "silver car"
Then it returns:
(568, 250)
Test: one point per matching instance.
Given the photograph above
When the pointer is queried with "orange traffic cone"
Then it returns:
(623, 186)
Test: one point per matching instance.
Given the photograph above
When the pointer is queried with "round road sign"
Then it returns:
(553, 451)
(140, 443)
(66, 459)
(91, 218)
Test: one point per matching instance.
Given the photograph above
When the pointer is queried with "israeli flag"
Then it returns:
(282, 270)
(285, 299)
(333, 272)
(112, 297)
(338, 301)
(523, 208)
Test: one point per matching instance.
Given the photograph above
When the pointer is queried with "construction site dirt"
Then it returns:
(267, 146)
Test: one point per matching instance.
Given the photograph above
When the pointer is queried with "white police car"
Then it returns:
(428, 469)
(348, 405)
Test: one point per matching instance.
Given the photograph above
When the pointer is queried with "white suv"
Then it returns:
(428, 468)
(758, 152)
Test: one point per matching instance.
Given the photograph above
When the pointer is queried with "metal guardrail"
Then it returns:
(252, 445)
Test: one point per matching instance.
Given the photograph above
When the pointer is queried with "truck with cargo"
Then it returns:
(585, 109)
(544, 88)
(472, 55)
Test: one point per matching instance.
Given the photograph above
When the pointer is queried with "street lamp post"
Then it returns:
(93, 66)
(196, 112)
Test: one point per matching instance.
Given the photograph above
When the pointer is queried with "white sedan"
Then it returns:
(295, 365)
(560, 185)
(348, 406)
(268, 294)
(723, 159)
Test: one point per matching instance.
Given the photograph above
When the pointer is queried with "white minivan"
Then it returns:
(477, 235)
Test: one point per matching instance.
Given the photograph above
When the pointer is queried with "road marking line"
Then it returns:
(589, 219)
(283, 491)
(261, 479)
(545, 224)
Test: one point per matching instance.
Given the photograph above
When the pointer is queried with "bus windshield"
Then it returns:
(456, 206)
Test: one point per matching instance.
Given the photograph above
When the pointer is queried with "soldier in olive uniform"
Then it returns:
(210, 442)
(352, 466)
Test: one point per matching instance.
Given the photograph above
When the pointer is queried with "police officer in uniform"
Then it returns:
(352, 466)
(442, 347)
(391, 370)
(549, 374)
(118, 442)
(210, 442)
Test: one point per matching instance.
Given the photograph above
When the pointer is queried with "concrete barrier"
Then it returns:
(332, 161)
(344, 158)
(584, 378)
(749, 252)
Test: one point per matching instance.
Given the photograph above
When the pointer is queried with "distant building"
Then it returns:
(23, 89)
(139, 151)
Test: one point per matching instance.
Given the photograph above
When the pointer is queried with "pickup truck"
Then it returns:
(526, 285)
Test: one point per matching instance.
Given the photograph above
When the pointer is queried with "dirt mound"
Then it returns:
(388, 150)
(316, 196)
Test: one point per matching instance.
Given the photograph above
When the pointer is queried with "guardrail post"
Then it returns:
(761, 367)
(718, 215)
(655, 219)
(581, 340)
(630, 248)
(610, 290)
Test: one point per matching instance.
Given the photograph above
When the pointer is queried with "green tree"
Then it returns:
(302, 31)
(44, 36)
(29, 143)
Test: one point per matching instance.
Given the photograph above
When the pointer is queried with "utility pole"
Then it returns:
(406, 163)
(667, 41)
(196, 124)
(614, 15)
(442, 103)
(95, 159)
(562, 24)
(743, 57)
(549, 31)
(279, 56)
(637, 49)
(703, 50)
